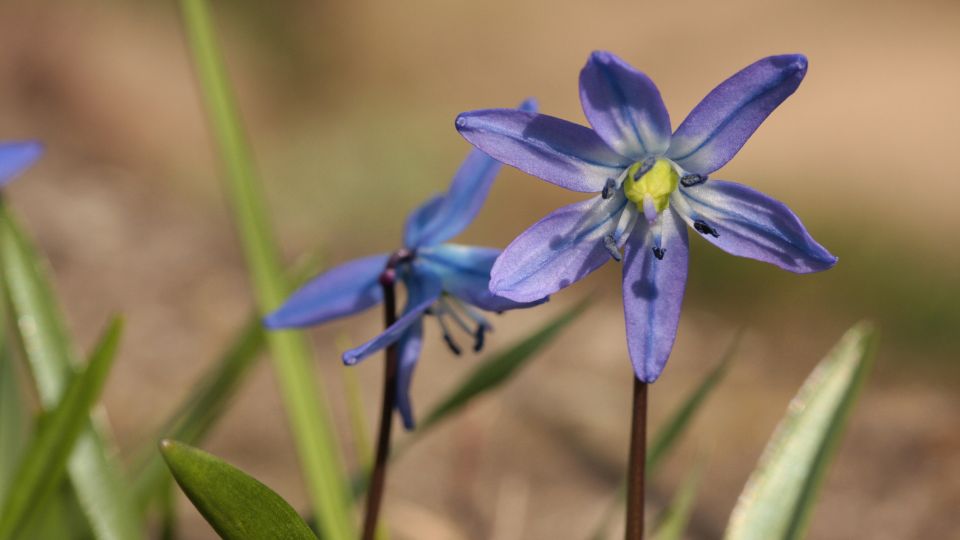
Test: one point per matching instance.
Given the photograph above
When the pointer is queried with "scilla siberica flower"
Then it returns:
(650, 183)
(15, 157)
(448, 281)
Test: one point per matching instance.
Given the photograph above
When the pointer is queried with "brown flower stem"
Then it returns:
(638, 461)
(378, 474)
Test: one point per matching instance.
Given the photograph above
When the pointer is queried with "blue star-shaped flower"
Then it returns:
(15, 157)
(650, 183)
(448, 281)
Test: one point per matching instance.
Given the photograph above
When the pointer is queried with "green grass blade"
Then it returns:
(669, 433)
(779, 496)
(203, 407)
(96, 481)
(14, 414)
(676, 517)
(308, 416)
(40, 471)
(208, 399)
(235, 504)
(494, 372)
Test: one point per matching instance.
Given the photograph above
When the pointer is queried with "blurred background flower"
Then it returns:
(127, 205)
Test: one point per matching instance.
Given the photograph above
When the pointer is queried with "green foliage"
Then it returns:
(39, 472)
(779, 496)
(199, 412)
(494, 372)
(309, 419)
(673, 522)
(235, 504)
(49, 353)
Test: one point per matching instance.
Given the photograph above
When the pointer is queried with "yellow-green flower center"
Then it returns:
(657, 183)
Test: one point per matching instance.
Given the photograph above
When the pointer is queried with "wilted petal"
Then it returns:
(344, 290)
(560, 152)
(423, 289)
(653, 292)
(17, 156)
(558, 250)
(408, 350)
(624, 107)
(444, 217)
(750, 224)
(719, 126)
(465, 273)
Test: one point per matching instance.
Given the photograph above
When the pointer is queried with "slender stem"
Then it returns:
(638, 460)
(379, 472)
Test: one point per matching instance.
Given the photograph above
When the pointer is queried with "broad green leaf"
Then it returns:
(49, 353)
(676, 517)
(45, 459)
(492, 373)
(310, 421)
(669, 433)
(235, 504)
(779, 496)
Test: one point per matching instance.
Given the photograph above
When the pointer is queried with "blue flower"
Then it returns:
(448, 281)
(15, 157)
(650, 182)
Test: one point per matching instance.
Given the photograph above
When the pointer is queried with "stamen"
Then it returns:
(446, 333)
(448, 310)
(628, 218)
(478, 338)
(690, 180)
(702, 228)
(451, 344)
(659, 253)
(610, 243)
(608, 188)
(644, 168)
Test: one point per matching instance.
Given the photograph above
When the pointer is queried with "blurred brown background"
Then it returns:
(351, 106)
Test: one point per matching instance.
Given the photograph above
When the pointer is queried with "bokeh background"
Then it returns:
(350, 106)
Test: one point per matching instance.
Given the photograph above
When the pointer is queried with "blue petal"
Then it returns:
(423, 289)
(560, 152)
(408, 349)
(750, 224)
(447, 215)
(558, 250)
(346, 289)
(719, 126)
(624, 107)
(17, 156)
(653, 292)
(465, 273)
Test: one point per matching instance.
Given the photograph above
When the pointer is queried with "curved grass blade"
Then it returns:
(203, 407)
(39, 473)
(235, 504)
(494, 372)
(779, 496)
(676, 517)
(669, 433)
(208, 399)
(95, 478)
(309, 418)
(667, 436)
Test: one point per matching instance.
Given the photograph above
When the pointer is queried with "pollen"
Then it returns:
(657, 183)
